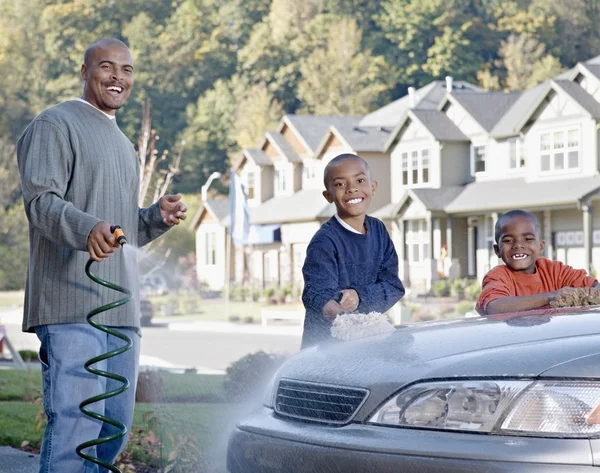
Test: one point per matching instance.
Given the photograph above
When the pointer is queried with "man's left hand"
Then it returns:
(172, 210)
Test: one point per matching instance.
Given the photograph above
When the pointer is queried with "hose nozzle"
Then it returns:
(118, 234)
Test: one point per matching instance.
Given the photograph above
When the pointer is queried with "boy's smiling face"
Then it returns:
(519, 244)
(350, 187)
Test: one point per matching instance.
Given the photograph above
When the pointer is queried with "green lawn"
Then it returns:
(196, 431)
(11, 298)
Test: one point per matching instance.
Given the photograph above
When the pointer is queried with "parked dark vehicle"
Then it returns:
(146, 312)
(518, 393)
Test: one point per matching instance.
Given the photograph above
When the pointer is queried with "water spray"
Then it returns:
(122, 240)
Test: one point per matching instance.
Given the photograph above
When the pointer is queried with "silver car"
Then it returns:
(520, 393)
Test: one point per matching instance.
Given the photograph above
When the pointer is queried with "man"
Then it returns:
(80, 176)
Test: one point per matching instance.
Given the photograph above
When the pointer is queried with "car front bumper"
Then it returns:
(264, 443)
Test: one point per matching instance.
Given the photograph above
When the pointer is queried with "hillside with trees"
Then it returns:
(219, 73)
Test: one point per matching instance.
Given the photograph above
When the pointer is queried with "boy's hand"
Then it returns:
(562, 293)
(350, 300)
(332, 309)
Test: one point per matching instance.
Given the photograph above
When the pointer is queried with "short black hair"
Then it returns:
(89, 52)
(338, 159)
(516, 213)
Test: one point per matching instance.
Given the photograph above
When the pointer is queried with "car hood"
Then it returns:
(555, 345)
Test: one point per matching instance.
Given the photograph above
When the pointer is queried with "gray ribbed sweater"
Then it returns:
(77, 169)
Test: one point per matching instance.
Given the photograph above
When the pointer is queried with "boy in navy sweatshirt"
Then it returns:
(351, 264)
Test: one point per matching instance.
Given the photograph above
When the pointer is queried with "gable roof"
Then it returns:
(485, 108)
(428, 97)
(310, 129)
(520, 113)
(435, 122)
(217, 208)
(282, 146)
(256, 155)
(304, 205)
(508, 194)
(432, 200)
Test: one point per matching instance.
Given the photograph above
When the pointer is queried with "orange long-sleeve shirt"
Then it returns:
(549, 277)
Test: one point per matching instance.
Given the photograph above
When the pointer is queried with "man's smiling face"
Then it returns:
(108, 77)
(349, 185)
(519, 244)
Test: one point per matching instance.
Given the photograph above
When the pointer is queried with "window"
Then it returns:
(559, 150)
(280, 180)
(250, 185)
(478, 159)
(309, 171)
(416, 169)
(517, 160)
(417, 241)
(210, 255)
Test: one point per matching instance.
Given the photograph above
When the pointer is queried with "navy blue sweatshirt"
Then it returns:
(338, 259)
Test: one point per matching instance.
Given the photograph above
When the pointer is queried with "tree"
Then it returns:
(257, 112)
(341, 79)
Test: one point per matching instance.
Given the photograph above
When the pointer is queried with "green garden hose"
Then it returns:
(119, 425)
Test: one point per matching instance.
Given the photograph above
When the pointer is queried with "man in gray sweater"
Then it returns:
(80, 176)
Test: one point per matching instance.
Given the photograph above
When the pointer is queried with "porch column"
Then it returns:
(402, 242)
(586, 208)
(449, 230)
(492, 258)
(547, 234)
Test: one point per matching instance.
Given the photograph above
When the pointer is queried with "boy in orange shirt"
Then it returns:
(528, 281)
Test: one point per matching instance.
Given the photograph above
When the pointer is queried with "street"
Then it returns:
(207, 346)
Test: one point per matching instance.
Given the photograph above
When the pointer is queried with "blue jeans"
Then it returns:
(64, 350)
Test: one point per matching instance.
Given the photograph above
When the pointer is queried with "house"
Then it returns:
(450, 158)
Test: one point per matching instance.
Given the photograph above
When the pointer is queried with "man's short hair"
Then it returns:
(89, 52)
(338, 159)
(516, 213)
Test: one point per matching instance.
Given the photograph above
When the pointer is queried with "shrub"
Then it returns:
(29, 355)
(472, 291)
(463, 307)
(250, 374)
(441, 288)
(270, 291)
(248, 319)
(458, 286)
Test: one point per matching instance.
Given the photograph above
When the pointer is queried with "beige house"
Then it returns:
(450, 158)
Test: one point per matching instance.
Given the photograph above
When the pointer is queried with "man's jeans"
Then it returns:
(64, 350)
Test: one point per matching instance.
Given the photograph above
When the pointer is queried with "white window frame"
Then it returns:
(210, 248)
(417, 236)
(519, 158)
(407, 164)
(309, 171)
(281, 180)
(474, 147)
(251, 185)
(551, 152)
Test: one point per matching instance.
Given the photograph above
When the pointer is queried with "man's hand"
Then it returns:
(101, 242)
(172, 210)
(350, 300)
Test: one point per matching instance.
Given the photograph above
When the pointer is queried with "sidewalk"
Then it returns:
(16, 461)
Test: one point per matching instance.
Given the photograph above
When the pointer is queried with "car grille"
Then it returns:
(318, 402)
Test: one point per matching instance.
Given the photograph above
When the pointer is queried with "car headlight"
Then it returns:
(540, 408)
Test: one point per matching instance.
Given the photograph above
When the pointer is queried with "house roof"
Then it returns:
(311, 128)
(304, 205)
(486, 108)
(580, 95)
(432, 199)
(218, 208)
(517, 193)
(361, 138)
(436, 122)
(508, 125)
(427, 98)
(256, 155)
(282, 146)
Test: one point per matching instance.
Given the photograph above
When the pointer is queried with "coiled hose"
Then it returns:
(119, 425)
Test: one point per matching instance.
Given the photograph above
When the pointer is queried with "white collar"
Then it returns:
(112, 117)
(346, 226)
